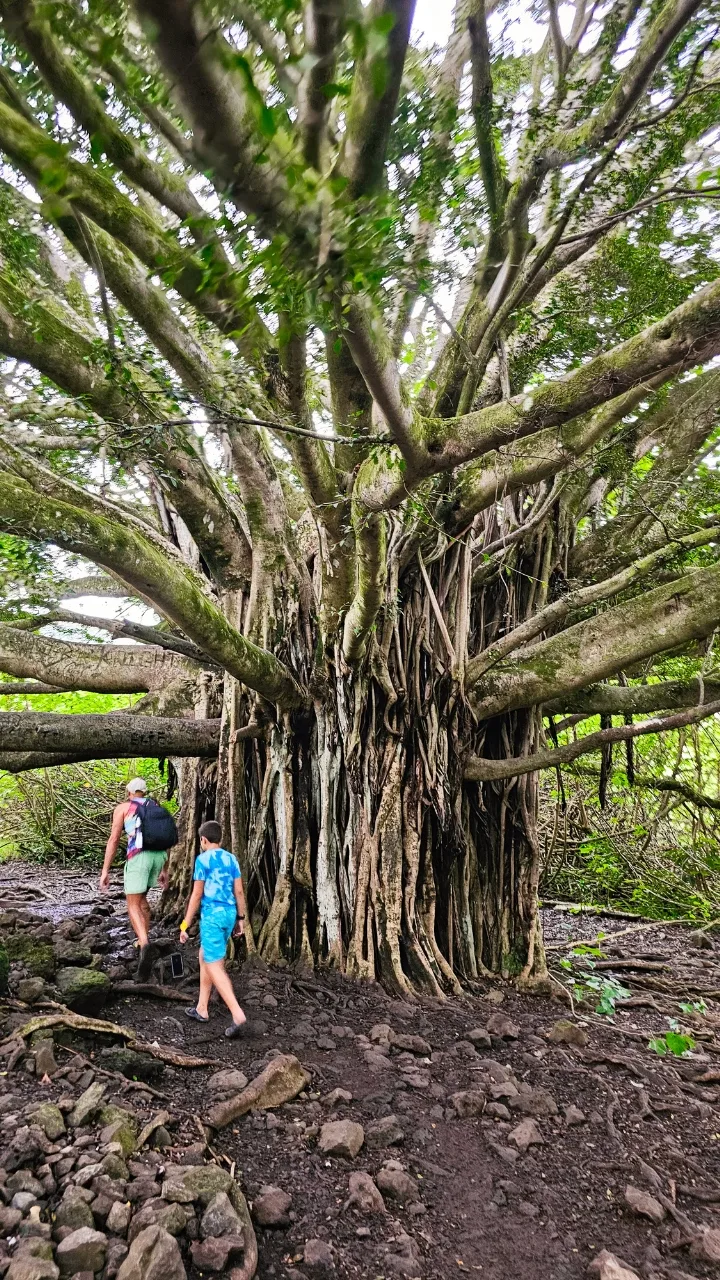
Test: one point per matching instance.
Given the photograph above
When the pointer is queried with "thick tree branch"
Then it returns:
(685, 337)
(201, 67)
(65, 183)
(483, 769)
(375, 91)
(146, 568)
(323, 31)
(636, 699)
(581, 598)
(107, 736)
(29, 27)
(98, 668)
(662, 619)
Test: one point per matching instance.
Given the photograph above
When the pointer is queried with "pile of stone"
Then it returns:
(40, 961)
(83, 1194)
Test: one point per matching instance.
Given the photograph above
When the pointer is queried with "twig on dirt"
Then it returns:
(616, 1060)
(700, 1193)
(152, 989)
(430, 1167)
(305, 985)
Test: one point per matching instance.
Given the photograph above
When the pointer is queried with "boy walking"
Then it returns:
(218, 895)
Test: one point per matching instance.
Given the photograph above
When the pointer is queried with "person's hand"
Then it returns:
(239, 929)
(104, 881)
(183, 936)
(163, 878)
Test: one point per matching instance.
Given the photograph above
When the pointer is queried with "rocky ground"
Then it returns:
(508, 1136)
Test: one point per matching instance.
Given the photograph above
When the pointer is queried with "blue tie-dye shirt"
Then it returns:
(219, 869)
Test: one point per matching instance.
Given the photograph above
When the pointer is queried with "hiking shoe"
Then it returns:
(148, 956)
(235, 1030)
(196, 1017)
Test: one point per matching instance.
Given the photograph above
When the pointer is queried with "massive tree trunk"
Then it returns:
(363, 846)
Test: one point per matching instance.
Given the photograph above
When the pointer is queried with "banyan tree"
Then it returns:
(381, 371)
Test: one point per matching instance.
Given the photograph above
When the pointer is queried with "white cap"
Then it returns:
(136, 784)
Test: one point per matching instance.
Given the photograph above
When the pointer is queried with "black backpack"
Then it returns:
(159, 831)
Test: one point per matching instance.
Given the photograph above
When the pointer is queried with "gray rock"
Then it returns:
(118, 1219)
(364, 1194)
(220, 1219)
(271, 1207)
(502, 1027)
(479, 1038)
(88, 1104)
(404, 1258)
(68, 952)
(538, 1102)
(29, 1268)
(397, 1184)
(525, 1135)
(341, 1138)
(214, 1253)
(31, 989)
(83, 990)
(645, 1205)
(173, 1218)
(335, 1097)
(23, 1200)
(469, 1102)
(117, 1252)
(74, 1211)
(411, 1044)
(9, 1219)
(385, 1132)
(573, 1116)
(154, 1255)
(566, 1032)
(24, 1180)
(50, 1119)
(45, 1064)
(318, 1256)
(224, 1083)
(82, 1250)
(183, 1184)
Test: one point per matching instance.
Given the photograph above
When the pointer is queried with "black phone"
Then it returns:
(177, 964)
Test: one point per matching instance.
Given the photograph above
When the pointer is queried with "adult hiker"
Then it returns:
(151, 832)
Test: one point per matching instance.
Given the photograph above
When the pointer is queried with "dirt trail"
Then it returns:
(479, 1080)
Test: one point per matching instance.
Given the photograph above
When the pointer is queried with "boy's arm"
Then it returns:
(112, 844)
(192, 908)
(240, 903)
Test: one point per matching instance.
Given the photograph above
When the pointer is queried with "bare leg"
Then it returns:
(206, 986)
(139, 915)
(224, 988)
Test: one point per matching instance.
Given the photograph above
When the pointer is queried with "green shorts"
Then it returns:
(142, 871)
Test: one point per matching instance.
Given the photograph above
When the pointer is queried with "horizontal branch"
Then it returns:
(636, 699)
(482, 769)
(98, 534)
(106, 736)
(554, 614)
(665, 618)
(96, 668)
(10, 688)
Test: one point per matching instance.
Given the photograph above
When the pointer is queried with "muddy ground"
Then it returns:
(608, 1112)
